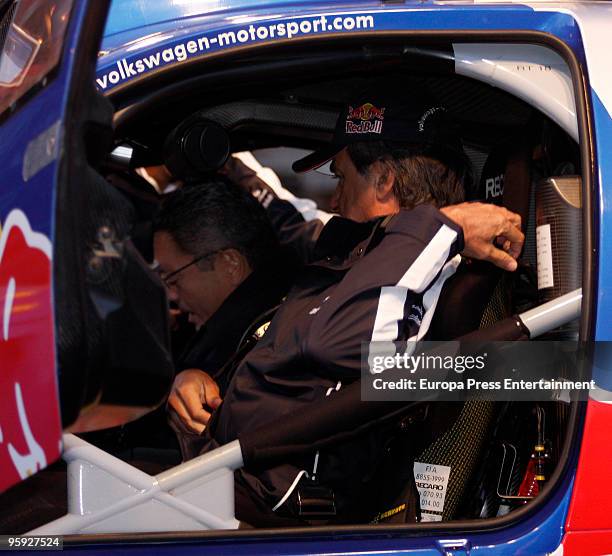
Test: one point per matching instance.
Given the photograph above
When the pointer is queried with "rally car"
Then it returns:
(89, 91)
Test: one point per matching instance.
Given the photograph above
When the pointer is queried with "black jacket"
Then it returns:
(370, 283)
(215, 344)
(214, 348)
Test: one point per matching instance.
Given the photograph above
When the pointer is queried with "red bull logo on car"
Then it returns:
(30, 428)
(366, 118)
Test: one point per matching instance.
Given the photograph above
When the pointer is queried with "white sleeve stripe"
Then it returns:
(307, 208)
(391, 300)
(419, 275)
(430, 261)
(430, 302)
(432, 295)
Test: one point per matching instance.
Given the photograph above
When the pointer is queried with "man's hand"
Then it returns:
(192, 389)
(484, 225)
(243, 175)
(244, 170)
(238, 172)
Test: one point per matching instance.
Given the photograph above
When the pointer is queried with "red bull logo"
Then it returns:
(30, 428)
(366, 112)
(366, 118)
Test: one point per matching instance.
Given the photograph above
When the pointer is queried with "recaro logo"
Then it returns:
(494, 187)
(430, 486)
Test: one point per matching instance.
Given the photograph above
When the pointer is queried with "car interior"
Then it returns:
(113, 332)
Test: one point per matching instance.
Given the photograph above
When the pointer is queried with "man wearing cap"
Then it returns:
(422, 160)
(376, 275)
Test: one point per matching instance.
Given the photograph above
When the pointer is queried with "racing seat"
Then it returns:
(475, 297)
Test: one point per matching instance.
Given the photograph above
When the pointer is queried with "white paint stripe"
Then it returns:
(34, 460)
(17, 219)
(34, 239)
(600, 395)
(8, 307)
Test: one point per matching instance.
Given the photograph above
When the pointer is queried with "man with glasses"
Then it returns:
(220, 261)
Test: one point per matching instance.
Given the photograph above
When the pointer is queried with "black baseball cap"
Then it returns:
(404, 115)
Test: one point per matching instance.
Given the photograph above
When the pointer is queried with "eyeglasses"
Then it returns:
(168, 277)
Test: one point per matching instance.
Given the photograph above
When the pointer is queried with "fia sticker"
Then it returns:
(430, 517)
(432, 484)
(544, 257)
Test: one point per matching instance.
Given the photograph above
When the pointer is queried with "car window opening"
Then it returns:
(477, 460)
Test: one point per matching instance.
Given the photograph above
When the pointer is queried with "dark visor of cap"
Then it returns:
(316, 159)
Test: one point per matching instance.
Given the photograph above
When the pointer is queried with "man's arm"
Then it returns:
(483, 225)
(297, 222)
(389, 295)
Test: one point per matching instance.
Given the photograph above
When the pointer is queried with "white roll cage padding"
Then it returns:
(108, 495)
(534, 73)
(555, 313)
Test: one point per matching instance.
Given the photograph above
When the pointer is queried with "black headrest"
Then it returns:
(490, 188)
(467, 293)
(506, 176)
